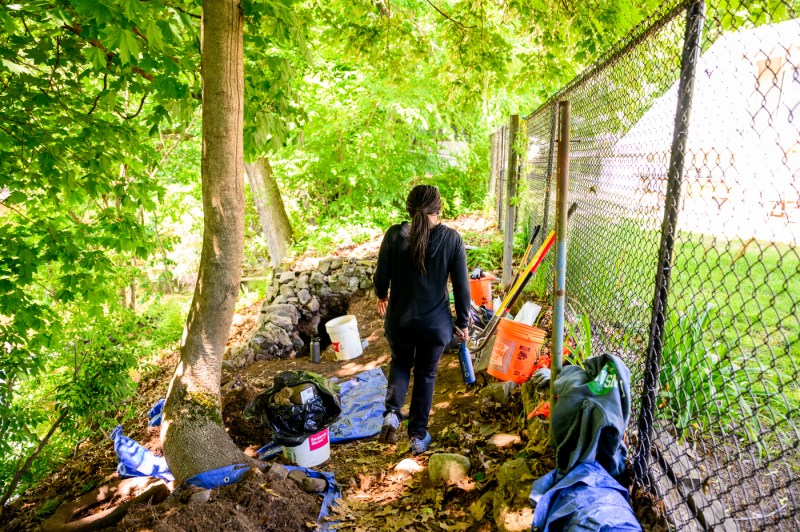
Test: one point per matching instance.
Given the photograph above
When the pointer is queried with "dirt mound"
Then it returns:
(254, 504)
(243, 432)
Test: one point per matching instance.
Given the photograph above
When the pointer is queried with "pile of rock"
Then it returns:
(297, 305)
(335, 275)
(307, 483)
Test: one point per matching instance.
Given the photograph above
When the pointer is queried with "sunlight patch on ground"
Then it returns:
(351, 368)
(453, 363)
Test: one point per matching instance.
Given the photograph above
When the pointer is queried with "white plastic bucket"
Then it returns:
(315, 450)
(345, 339)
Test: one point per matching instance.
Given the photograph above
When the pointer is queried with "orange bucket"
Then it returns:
(515, 351)
(480, 290)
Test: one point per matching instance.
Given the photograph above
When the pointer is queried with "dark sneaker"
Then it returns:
(420, 445)
(389, 428)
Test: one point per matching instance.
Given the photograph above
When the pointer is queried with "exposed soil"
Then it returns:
(253, 504)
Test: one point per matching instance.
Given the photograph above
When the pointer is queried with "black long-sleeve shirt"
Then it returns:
(420, 305)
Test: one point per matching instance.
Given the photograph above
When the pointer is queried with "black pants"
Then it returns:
(424, 358)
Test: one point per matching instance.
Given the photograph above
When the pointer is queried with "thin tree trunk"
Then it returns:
(271, 211)
(27, 465)
(192, 432)
(133, 287)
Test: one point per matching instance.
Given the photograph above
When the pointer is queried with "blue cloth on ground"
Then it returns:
(332, 492)
(362, 407)
(155, 413)
(136, 461)
(585, 499)
(591, 413)
(223, 476)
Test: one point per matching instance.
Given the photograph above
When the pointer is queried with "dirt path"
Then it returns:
(376, 495)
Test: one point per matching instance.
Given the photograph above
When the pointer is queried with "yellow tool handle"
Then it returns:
(534, 261)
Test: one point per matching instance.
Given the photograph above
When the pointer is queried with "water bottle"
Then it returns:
(464, 358)
(314, 350)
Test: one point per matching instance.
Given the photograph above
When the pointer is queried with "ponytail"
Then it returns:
(422, 201)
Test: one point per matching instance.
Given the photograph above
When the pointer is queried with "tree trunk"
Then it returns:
(192, 432)
(274, 221)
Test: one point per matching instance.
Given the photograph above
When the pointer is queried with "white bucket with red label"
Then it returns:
(315, 450)
(345, 340)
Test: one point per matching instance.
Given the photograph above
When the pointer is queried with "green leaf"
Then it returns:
(128, 47)
(153, 34)
(16, 197)
(15, 68)
(108, 99)
(46, 162)
(9, 23)
(96, 57)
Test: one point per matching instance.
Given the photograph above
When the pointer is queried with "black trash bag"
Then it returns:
(292, 423)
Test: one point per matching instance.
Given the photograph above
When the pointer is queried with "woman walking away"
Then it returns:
(415, 261)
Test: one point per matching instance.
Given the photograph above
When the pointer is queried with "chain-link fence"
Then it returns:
(683, 254)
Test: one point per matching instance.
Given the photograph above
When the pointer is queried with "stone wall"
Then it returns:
(297, 305)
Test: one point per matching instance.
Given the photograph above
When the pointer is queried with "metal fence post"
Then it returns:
(548, 182)
(695, 17)
(511, 203)
(501, 176)
(492, 170)
(560, 278)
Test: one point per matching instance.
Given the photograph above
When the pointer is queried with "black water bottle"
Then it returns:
(314, 350)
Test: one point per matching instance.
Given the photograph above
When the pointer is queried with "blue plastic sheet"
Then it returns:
(362, 407)
(585, 499)
(155, 413)
(136, 461)
(223, 476)
(332, 492)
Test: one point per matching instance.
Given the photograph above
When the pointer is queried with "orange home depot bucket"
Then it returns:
(515, 351)
(480, 290)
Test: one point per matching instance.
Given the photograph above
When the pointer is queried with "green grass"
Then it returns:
(753, 331)
(756, 288)
(754, 285)
(610, 272)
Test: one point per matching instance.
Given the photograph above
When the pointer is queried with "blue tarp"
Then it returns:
(585, 499)
(362, 407)
(155, 413)
(223, 476)
(136, 461)
(332, 492)
(362, 411)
